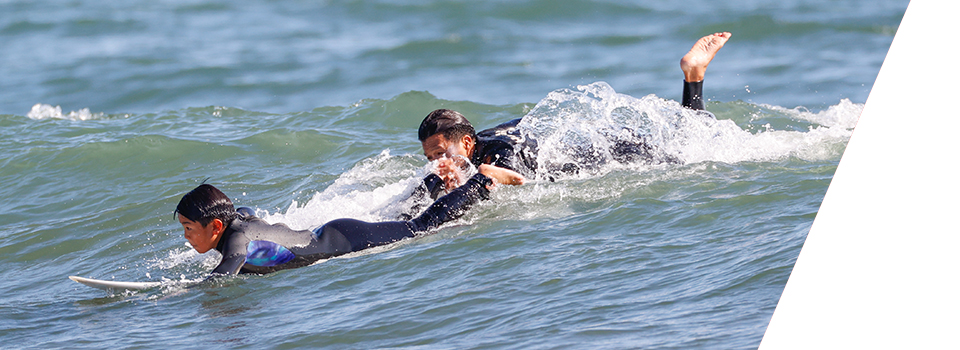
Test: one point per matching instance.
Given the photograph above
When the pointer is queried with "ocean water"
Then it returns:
(307, 111)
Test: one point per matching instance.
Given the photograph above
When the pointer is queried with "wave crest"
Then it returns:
(591, 124)
(44, 111)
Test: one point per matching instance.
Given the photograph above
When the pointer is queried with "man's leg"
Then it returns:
(694, 66)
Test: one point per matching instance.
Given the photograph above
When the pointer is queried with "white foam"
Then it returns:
(186, 256)
(43, 111)
(592, 117)
(373, 190)
(842, 115)
(571, 124)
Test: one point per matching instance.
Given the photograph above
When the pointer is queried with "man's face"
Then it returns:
(437, 146)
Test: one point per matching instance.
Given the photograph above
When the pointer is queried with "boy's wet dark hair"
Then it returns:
(205, 203)
(449, 123)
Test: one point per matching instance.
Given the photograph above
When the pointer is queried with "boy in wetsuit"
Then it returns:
(250, 245)
(448, 134)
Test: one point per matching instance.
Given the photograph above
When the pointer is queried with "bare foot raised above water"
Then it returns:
(694, 63)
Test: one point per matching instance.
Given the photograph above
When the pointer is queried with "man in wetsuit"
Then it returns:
(447, 135)
(250, 245)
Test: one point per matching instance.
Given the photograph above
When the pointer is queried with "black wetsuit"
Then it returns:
(250, 245)
(692, 95)
(505, 147)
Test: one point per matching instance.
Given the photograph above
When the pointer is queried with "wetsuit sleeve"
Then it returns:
(453, 205)
(693, 95)
(234, 252)
(230, 265)
(431, 186)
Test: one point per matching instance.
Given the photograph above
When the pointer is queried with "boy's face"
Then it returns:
(202, 238)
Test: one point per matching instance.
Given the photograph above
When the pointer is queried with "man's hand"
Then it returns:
(451, 170)
(501, 175)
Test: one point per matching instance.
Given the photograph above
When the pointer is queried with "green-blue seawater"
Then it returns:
(307, 111)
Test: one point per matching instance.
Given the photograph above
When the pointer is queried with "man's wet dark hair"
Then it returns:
(449, 123)
(205, 203)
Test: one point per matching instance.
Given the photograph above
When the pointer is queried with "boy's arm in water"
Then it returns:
(234, 255)
(230, 265)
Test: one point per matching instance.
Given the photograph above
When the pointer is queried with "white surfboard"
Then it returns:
(114, 285)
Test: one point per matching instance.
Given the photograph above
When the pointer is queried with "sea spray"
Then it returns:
(589, 123)
(589, 120)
